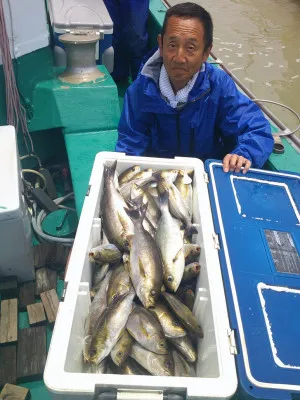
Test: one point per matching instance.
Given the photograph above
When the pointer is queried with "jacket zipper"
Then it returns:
(193, 129)
(178, 131)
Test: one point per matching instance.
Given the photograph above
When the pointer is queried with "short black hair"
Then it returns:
(191, 10)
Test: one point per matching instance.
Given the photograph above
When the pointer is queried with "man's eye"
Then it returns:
(191, 48)
(171, 45)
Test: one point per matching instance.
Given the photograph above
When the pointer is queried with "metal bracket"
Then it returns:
(232, 342)
(205, 176)
(216, 241)
(63, 295)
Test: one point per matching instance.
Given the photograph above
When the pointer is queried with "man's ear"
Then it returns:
(160, 43)
(206, 54)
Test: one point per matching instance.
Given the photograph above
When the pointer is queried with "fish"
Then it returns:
(145, 173)
(107, 253)
(128, 174)
(146, 270)
(182, 367)
(116, 223)
(100, 368)
(153, 212)
(99, 303)
(191, 253)
(170, 325)
(191, 271)
(100, 272)
(125, 190)
(156, 364)
(109, 327)
(131, 367)
(145, 328)
(189, 299)
(154, 193)
(177, 206)
(185, 346)
(168, 175)
(184, 314)
(122, 348)
(184, 185)
(119, 283)
(169, 238)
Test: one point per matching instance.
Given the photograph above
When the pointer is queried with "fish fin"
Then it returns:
(178, 255)
(137, 214)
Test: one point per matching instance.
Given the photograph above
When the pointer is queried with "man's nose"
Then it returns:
(180, 56)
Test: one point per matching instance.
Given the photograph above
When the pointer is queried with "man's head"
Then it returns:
(185, 42)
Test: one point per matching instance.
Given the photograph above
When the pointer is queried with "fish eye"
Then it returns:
(153, 293)
(162, 345)
(126, 243)
(170, 278)
(167, 364)
(176, 323)
(120, 353)
(114, 296)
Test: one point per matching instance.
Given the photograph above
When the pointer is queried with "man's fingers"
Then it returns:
(233, 161)
(247, 166)
(226, 162)
(240, 163)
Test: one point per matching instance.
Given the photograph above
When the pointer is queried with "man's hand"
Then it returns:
(233, 162)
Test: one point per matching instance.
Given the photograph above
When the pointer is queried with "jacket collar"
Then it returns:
(151, 71)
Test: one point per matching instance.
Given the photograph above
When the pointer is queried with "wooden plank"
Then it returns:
(31, 354)
(26, 295)
(9, 321)
(8, 287)
(13, 392)
(36, 313)
(8, 364)
(45, 280)
(52, 255)
(51, 303)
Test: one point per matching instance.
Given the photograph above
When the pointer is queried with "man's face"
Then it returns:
(182, 49)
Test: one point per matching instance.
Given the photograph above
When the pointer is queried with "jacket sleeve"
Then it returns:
(134, 126)
(242, 123)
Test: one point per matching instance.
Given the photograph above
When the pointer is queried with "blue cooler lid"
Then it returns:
(257, 218)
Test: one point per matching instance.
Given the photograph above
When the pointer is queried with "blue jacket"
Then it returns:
(217, 119)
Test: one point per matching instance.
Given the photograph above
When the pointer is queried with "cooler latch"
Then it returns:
(232, 342)
(216, 241)
(205, 176)
(120, 394)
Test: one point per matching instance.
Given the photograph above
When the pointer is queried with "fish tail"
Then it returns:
(191, 230)
(137, 214)
(164, 200)
(109, 172)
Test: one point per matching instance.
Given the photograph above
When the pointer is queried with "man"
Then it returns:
(130, 38)
(182, 106)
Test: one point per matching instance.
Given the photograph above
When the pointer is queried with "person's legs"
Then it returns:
(135, 16)
(121, 54)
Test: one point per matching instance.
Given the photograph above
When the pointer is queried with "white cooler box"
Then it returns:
(234, 344)
(16, 258)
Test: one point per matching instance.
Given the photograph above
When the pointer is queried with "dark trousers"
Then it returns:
(130, 38)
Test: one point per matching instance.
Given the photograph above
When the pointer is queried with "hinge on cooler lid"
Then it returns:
(205, 176)
(216, 241)
(232, 342)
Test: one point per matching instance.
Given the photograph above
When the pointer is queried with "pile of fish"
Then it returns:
(140, 320)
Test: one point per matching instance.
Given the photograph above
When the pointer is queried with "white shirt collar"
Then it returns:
(167, 91)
